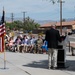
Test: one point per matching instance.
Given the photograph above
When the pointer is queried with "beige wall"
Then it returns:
(73, 26)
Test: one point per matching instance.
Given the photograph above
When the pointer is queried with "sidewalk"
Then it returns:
(33, 64)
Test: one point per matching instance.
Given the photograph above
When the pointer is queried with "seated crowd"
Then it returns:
(25, 44)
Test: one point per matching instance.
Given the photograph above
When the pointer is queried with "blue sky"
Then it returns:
(38, 9)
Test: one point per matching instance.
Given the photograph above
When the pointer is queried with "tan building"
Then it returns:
(70, 25)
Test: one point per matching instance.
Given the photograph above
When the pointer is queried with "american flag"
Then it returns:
(2, 25)
(2, 32)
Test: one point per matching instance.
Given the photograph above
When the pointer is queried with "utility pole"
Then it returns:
(74, 12)
(24, 17)
(61, 15)
(12, 17)
(60, 1)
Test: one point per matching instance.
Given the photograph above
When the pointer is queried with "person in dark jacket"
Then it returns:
(52, 36)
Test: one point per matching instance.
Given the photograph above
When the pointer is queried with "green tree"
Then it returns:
(30, 24)
(16, 24)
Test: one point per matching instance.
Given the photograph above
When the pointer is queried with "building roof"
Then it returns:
(48, 24)
(66, 23)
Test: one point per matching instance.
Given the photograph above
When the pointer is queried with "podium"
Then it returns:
(61, 54)
(61, 58)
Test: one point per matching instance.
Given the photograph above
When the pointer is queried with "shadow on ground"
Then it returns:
(70, 65)
(40, 64)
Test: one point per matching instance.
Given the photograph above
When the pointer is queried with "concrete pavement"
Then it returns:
(33, 64)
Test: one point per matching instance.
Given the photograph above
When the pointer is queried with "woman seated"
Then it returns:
(10, 44)
(18, 42)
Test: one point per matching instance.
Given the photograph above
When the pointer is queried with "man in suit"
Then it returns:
(52, 36)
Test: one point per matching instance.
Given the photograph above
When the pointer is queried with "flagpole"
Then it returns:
(4, 44)
(4, 56)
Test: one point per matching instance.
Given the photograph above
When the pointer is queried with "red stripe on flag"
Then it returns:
(2, 29)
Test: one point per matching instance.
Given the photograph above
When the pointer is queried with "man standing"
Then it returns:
(52, 36)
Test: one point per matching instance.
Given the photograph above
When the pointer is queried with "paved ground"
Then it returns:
(33, 64)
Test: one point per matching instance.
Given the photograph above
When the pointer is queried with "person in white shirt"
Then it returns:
(25, 43)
